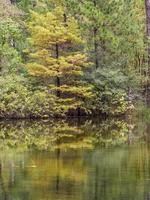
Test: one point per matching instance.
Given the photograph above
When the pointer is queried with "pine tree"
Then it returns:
(56, 41)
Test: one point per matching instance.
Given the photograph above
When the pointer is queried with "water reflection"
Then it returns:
(75, 134)
(75, 160)
(113, 173)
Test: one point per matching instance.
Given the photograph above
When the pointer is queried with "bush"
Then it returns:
(18, 101)
(111, 96)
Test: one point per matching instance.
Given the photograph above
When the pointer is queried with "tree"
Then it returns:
(56, 42)
(147, 7)
(10, 34)
(8, 9)
(114, 34)
(91, 18)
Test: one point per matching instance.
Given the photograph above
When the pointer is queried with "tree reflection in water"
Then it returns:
(51, 135)
(68, 160)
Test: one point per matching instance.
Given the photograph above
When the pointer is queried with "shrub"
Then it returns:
(18, 101)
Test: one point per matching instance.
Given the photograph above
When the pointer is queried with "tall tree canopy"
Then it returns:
(76, 55)
(56, 55)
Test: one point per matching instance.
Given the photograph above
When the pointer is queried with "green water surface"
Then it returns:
(75, 160)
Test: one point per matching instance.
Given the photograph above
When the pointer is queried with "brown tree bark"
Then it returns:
(13, 1)
(57, 78)
(95, 41)
(147, 7)
(96, 48)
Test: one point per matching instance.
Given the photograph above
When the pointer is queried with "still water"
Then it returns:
(75, 160)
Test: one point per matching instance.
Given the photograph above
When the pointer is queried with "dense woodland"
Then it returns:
(72, 57)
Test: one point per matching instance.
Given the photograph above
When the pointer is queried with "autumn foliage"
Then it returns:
(51, 35)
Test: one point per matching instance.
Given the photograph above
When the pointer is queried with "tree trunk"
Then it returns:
(96, 48)
(57, 78)
(147, 6)
(95, 41)
(13, 1)
(57, 56)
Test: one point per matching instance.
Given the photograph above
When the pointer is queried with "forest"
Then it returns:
(63, 58)
(74, 99)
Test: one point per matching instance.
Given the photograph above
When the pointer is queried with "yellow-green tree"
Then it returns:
(55, 42)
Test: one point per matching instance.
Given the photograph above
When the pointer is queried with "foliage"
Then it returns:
(115, 39)
(63, 134)
(18, 101)
(87, 56)
(9, 56)
(51, 35)
(10, 37)
(110, 91)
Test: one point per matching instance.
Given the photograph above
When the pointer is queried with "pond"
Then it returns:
(77, 159)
